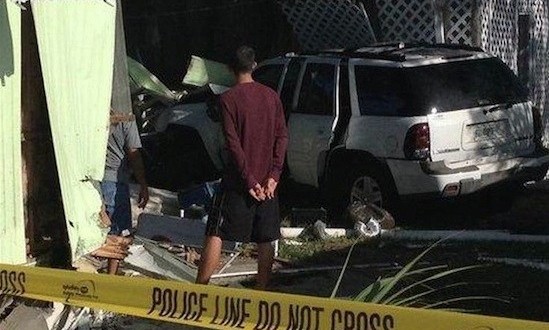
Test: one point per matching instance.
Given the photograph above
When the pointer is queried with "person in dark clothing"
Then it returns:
(256, 138)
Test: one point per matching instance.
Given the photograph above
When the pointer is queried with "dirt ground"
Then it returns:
(524, 287)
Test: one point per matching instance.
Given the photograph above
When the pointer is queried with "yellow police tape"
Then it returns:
(227, 308)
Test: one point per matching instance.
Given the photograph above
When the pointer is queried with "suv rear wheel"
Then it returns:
(366, 184)
(366, 189)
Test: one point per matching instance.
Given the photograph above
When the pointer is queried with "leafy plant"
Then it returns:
(393, 290)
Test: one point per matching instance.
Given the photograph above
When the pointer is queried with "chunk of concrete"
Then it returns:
(25, 317)
(144, 258)
(175, 230)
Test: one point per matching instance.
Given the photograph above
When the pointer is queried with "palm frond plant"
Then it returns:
(410, 286)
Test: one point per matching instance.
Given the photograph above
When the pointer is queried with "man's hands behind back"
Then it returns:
(270, 188)
(267, 191)
(257, 193)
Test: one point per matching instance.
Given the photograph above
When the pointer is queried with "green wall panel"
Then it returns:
(76, 45)
(12, 222)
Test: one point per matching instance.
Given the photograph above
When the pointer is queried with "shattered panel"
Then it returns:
(76, 44)
(323, 24)
(12, 222)
(121, 98)
(141, 79)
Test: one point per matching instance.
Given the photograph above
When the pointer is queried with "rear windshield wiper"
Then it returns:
(499, 107)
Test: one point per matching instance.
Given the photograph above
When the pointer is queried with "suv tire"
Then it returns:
(367, 183)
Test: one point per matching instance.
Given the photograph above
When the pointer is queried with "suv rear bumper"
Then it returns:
(417, 178)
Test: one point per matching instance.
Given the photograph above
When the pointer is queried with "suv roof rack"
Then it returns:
(390, 53)
(382, 55)
(446, 46)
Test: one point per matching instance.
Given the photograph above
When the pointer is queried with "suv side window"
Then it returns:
(290, 83)
(317, 92)
(380, 90)
(269, 75)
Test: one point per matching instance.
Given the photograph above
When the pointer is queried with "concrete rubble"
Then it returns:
(161, 202)
(56, 316)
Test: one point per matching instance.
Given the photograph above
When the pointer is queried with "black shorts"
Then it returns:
(237, 217)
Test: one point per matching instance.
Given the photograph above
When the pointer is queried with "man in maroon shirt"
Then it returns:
(256, 137)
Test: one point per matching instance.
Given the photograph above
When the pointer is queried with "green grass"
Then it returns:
(309, 249)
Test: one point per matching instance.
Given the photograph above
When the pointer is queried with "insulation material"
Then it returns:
(202, 71)
(76, 44)
(12, 223)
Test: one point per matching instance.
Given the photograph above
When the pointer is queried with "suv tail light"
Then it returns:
(417, 145)
(536, 115)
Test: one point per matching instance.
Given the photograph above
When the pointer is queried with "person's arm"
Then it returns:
(133, 144)
(279, 150)
(136, 162)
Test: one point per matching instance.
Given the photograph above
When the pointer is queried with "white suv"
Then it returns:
(383, 122)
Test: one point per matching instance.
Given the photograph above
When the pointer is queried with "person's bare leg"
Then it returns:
(209, 260)
(265, 257)
(113, 266)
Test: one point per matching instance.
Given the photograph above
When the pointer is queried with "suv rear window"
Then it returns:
(449, 86)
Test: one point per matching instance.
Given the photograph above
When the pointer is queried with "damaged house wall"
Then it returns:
(76, 45)
(12, 223)
(45, 221)
(27, 149)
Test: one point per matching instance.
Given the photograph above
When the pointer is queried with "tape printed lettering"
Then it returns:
(12, 282)
(349, 320)
(176, 304)
(231, 311)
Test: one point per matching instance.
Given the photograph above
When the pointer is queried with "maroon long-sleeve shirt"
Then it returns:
(255, 133)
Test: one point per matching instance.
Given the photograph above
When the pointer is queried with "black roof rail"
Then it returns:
(404, 45)
(389, 54)
(365, 54)
(447, 46)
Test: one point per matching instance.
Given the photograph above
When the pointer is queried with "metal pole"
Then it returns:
(438, 7)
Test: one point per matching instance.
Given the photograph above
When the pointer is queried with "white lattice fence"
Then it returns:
(406, 20)
(458, 21)
(539, 48)
(498, 29)
(321, 24)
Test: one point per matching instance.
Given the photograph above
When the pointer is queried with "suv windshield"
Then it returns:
(416, 91)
